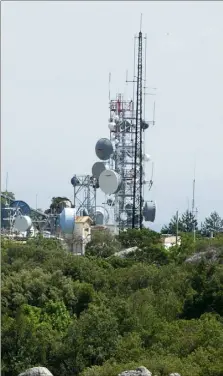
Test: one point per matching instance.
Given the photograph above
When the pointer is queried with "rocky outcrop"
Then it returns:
(42, 371)
(141, 371)
(210, 255)
(36, 371)
(125, 252)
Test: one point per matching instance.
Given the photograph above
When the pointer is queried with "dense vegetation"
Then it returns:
(100, 314)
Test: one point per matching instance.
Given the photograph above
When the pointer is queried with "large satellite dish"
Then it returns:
(22, 206)
(67, 220)
(104, 149)
(149, 211)
(97, 169)
(22, 223)
(110, 181)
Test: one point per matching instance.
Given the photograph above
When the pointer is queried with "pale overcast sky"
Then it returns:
(56, 58)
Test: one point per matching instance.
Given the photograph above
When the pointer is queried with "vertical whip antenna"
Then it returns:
(138, 171)
(109, 87)
(6, 182)
(141, 22)
(134, 67)
(154, 113)
(194, 212)
(144, 88)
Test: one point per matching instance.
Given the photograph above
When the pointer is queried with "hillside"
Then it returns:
(100, 315)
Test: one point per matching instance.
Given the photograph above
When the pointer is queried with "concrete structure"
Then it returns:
(170, 241)
(82, 234)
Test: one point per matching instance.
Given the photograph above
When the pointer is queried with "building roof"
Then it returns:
(99, 228)
(83, 219)
(171, 239)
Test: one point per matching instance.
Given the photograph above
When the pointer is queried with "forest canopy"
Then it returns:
(100, 314)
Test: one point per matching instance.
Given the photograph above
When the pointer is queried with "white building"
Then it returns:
(170, 241)
(82, 234)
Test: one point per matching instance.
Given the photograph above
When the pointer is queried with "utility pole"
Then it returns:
(177, 217)
(194, 211)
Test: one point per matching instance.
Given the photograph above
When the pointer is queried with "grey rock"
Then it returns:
(140, 371)
(36, 371)
(125, 252)
(174, 374)
(210, 255)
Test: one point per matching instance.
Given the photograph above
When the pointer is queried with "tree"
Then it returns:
(87, 316)
(92, 340)
(9, 195)
(212, 223)
(185, 224)
(57, 205)
(138, 238)
(171, 228)
(102, 244)
(188, 221)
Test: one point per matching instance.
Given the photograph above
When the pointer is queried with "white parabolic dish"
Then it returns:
(23, 223)
(110, 181)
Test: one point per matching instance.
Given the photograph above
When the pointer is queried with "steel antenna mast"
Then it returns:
(138, 169)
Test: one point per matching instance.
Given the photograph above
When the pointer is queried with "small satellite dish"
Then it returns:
(149, 211)
(22, 223)
(112, 137)
(97, 169)
(128, 207)
(95, 184)
(104, 149)
(85, 212)
(110, 181)
(67, 220)
(99, 219)
(146, 157)
(22, 206)
(123, 216)
(74, 181)
(112, 126)
(102, 216)
(145, 125)
(110, 202)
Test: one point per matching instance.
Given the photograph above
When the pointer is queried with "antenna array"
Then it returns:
(121, 172)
